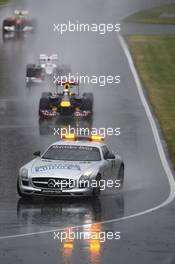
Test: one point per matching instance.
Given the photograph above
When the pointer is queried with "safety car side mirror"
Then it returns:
(37, 153)
(110, 156)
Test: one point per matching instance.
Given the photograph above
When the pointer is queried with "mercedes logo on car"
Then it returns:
(52, 183)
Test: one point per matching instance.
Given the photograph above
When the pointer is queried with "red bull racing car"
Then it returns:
(68, 102)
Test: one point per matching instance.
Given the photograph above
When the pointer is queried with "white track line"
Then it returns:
(160, 149)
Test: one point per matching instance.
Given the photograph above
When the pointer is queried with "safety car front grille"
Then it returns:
(52, 183)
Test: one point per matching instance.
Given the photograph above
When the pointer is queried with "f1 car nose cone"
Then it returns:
(65, 103)
(18, 21)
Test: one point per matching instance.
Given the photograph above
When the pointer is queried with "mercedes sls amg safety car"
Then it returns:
(74, 166)
(66, 102)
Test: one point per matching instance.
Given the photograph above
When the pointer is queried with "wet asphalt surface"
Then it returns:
(145, 239)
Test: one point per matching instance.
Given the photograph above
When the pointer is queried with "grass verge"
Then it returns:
(159, 15)
(3, 2)
(154, 57)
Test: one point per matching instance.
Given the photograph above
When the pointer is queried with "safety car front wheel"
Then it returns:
(96, 190)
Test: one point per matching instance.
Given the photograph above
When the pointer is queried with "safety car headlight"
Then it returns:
(24, 174)
(86, 176)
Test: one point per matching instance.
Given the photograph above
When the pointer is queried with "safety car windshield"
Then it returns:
(72, 153)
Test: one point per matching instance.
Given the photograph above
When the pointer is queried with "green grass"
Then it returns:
(159, 15)
(2, 2)
(154, 57)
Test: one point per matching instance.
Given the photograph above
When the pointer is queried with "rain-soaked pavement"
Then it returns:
(25, 225)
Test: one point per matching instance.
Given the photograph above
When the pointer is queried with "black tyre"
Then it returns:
(3, 25)
(90, 96)
(30, 70)
(121, 175)
(7, 23)
(87, 104)
(96, 191)
(43, 105)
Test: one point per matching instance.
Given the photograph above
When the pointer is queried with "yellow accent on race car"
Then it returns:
(65, 104)
(67, 86)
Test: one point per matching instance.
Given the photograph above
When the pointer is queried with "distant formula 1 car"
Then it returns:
(67, 102)
(18, 23)
(47, 67)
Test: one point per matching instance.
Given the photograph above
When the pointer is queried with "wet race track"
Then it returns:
(146, 236)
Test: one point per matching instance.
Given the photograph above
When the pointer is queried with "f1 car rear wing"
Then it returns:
(46, 57)
(23, 12)
(68, 83)
(72, 82)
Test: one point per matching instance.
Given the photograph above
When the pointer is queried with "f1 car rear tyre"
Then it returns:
(87, 105)
(89, 96)
(43, 104)
(3, 26)
(87, 102)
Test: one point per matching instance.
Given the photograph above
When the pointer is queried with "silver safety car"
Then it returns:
(75, 166)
